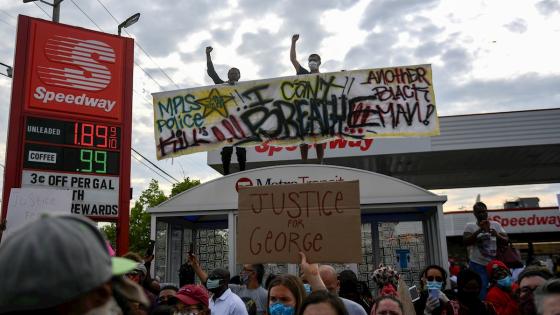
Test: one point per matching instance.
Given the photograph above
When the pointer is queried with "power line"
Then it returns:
(145, 158)
(38, 6)
(141, 162)
(92, 21)
(8, 14)
(136, 63)
(140, 46)
(7, 23)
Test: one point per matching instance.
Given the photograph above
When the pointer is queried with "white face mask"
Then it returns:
(313, 65)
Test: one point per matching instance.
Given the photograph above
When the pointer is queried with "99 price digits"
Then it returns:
(93, 161)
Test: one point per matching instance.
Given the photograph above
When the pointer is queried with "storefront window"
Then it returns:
(160, 263)
(402, 247)
(212, 248)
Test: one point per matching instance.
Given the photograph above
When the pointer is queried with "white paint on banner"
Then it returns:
(92, 195)
(26, 205)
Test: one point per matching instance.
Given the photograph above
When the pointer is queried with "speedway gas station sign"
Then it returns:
(70, 117)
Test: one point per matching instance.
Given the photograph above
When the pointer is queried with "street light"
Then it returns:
(9, 70)
(128, 22)
(55, 5)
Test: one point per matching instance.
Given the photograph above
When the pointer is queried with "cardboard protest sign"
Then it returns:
(322, 220)
(27, 204)
(352, 105)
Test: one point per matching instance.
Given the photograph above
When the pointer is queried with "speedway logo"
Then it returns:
(81, 63)
(76, 71)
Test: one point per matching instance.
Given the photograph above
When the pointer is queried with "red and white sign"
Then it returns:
(333, 149)
(67, 80)
(513, 221)
(73, 71)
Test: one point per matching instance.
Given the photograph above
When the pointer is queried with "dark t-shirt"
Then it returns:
(302, 70)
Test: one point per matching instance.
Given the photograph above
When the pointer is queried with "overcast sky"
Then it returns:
(486, 56)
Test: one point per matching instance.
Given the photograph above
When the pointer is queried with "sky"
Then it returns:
(486, 56)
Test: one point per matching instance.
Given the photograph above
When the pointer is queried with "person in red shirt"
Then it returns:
(501, 292)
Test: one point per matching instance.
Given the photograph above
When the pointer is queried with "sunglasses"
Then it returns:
(436, 278)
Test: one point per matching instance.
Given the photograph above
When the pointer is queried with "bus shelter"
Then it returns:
(402, 224)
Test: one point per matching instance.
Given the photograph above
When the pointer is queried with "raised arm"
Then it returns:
(210, 67)
(311, 273)
(293, 57)
(198, 269)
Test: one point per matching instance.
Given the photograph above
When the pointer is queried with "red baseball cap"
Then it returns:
(191, 294)
(495, 264)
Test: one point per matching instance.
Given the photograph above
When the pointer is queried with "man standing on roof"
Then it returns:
(314, 61)
(481, 239)
(233, 77)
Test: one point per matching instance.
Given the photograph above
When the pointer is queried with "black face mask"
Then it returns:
(481, 216)
(527, 304)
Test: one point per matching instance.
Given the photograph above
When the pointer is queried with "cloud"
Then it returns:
(392, 12)
(457, 60)
(375, 52)
(517, 26)
(548, 7)
(161, 31)
(526, 91)
(263, 48)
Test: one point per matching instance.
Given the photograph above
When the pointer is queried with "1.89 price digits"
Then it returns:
(95, 135)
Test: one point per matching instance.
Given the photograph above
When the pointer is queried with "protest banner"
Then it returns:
(322, 220)
(314, 108)
(27, 204)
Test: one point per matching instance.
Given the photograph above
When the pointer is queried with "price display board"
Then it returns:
(70, 119)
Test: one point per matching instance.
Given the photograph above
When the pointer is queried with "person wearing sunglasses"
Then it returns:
(502, 288)
(432, 297)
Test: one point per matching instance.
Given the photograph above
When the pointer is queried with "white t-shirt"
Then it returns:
(353, 308)
(228, 304)
(484, 250)
(259, 295)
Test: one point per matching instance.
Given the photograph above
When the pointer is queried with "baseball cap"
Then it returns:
(191, 294)
(494, 265)
(53, 260)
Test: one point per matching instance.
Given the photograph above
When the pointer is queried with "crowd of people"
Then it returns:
(62, 265)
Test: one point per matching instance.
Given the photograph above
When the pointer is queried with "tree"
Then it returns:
(186, 184)
(139, 229)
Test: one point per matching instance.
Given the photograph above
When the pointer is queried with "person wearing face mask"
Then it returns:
(481, 238)
(251, 278)
(223, 301)
(286, 292)
(529, 280)
(432, 299)
(468, 302)
(501, 293)
(233, 77)
(314, 62)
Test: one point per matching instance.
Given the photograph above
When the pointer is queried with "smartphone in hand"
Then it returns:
(150, 250)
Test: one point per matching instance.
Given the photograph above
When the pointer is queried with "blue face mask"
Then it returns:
(505, 282)
(280, 309)
(307, 287)
(212, 284)
(435, 285)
